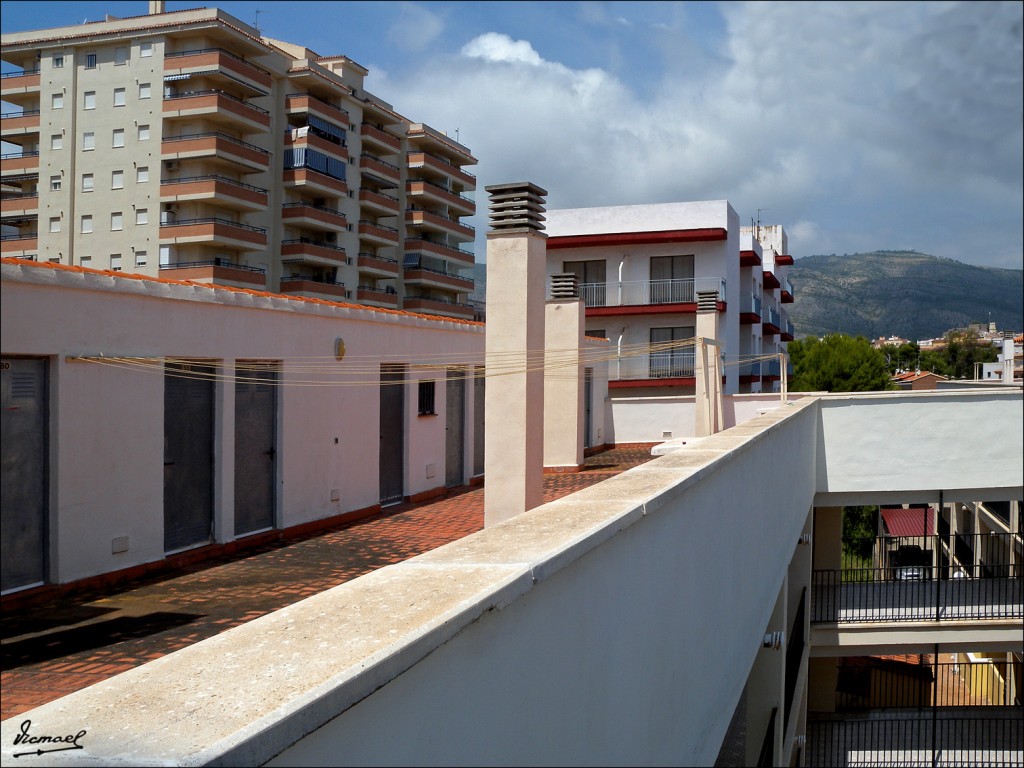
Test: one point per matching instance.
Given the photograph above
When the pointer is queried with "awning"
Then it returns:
(909, 522)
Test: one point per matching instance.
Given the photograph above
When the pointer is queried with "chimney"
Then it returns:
(156, 6)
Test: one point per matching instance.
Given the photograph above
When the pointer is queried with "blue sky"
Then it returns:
(858, 126)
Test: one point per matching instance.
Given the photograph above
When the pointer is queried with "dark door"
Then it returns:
(188, 455)
(672, 279)
(23, 497)
(392, 434)
(479, 390)
(255, 449)
(455, 427)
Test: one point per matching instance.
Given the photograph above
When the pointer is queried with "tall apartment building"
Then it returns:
(641, 269)
(188, 146)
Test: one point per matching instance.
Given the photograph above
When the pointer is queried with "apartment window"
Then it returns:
(86, 261)
(118, 137)
(672, 358)
(58, 61)
(116, 221)
(143, 133)
(90, 61)
(119, 97)
(145, 90)
(120, 56)
(426, 398)
(672, 279)
(89, 98)
(56, 141)
(87, 183)
(86, 225)
(88, 140)
(55, 224)
(117, 179)
(57, 101)
(165, 255)
(142, 216)
(115, 262)
(145, 49)
(140, 258)
(591, 278)
(142, 174)
(55, 183)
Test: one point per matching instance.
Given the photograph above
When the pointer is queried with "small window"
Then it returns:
(89, 100)
(58, 61)
(57, 101)
(55, 183)
(55, 224)
(120, 56)
(118, 137)
(119, 97)
(165, 255)
(86, 225)
(143, 133)
(117, 179)
(140, 258)
(87, 182)
(145, 90)
(88, 140)
(116, 221)
(142, 174)
(90, 61)
(142, 216)
(426, 398)
(56, 141)
(145, 50)
(115, 262)
(86, 261)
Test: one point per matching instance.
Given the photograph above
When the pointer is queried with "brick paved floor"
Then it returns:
(61, 647)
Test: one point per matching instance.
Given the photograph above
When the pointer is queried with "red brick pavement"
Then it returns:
(74, 642)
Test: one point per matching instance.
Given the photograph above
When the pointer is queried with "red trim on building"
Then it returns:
(784, 259)
(682, 381)
(749, 259)
(770, 280)
(638, 238)
(749, 318)
(650, 309)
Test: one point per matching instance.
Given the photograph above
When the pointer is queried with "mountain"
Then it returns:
(902, 293)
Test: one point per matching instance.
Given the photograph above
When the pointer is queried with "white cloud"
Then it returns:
(415, 28)
(495, 47)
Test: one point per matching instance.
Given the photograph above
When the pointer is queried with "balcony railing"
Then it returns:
(214, 177)
(673, 364)
(647, 292)
(22, 73)
(224, 263)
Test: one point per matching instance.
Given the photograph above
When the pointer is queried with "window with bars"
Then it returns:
(426, 398)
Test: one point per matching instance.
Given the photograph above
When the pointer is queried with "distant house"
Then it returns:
(894, 341)
(918, 380)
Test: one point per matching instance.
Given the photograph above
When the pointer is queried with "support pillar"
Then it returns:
(708, 418)
(564, 325)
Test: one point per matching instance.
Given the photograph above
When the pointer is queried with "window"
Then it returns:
(142, 174)
(90, 61)
(56, 141)
(120, 56)
(145, 49)
(145, 91)
(57, 101)
(116, 220)
(119, 97)
(142, 216)
(55, 224)
(115, 262)
(58, 61)
(140, 258)
(591, 278)
(426, 397)
(672, 279)
(88, 140)
(143, 133)
(165, 255)
(86, 261)
(118, 137)
(673, 356)
(89, 98)
(87, 184)
(86, 225)
(55, 183)
(117, 179)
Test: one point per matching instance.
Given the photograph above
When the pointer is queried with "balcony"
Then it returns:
(217, 61)
(771, 281)
(425, 276)
(433, 222)
(19, 87)
(421, 245)
(307, 251)
(307, 104)
(297, 285)
(750, 309)
(435, 165)
(436, 194)
(19, 163)
(314, 182)
(379, 139)
(21, 246)
(640, 297)
(377, 297)
(377, 266)
(374, 167)
(771, 322)
(438, 306)
(216, 147)
(667, 368)
(787, 331)
(783, 260)
(787, 291)
(21, 123)
(301, 138)
(219, 107)
(750, 259)
(221, 190)
(220, 232)
(216, 272)
(378, 202)
(378, 234)
(19, 204)
(318, 217)
(750, 373)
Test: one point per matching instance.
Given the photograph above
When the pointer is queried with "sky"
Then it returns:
(857, 126)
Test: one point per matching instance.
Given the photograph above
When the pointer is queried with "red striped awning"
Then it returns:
(908, 522)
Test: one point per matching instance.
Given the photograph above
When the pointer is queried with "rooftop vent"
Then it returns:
(565, 286)
(517, 206)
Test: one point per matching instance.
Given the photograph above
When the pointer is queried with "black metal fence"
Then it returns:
(876, 683)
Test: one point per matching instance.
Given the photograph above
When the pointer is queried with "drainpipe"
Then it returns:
(622, 262)
(618, 350)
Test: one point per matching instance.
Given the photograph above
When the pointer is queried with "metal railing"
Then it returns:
(229, 54)
(658, 365)
(772, 317)
(766, 757)
(644, 292)
(442, 218)
(374, 158)
(794, 655)
(20, 236)
(214, 177)
(323, 208)
(213, 220)
(375, 224)
(443, 189)
(311, 241)
(876, 683)
(214, 263)
(23, 72)
(434, 270)
(375, 257)
(213, 92)
(750, 303)
(16, 155)
(20, 113)
(311, 97)
(214, 135)
(412, 243)
(440, 159)
(311, 279)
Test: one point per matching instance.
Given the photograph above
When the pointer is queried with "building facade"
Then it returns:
(187, 145)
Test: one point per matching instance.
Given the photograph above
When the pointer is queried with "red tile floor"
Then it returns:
(60, 647)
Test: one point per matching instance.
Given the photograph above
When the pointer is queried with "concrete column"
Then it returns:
(828, 538)
(708, 400)
(1015, 526)
(563, 385)
(224, 454)
(514, 401)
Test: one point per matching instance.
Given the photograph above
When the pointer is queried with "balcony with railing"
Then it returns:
(310, 287)
(771, 321)
(19, 204)
(19, 245)
(427, 163)
(654, 368)
(216, 271)
(307, 103)
(371, 165)
(314, 182)
(787, 291)
(421, 189)
(432, 277)
(771, 282)
(309, 251)
(19, 163)
(304, 138)
(312, 216)
(379, 139)
(221, 190)
(646, 296)
(216, 147)
(216, 231)
(787, 331)
(436, 305)
(24, 122)
(772, 367)
(379, 234)
(750, 259)
(380, 203)
(377, 296)
(216, 106)
(377, 266)
(217, 62)
(19, 87)
(415, 245)
(434, 222)
(750, 308)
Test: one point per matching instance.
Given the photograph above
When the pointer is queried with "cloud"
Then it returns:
(415, 28)
(494, 47)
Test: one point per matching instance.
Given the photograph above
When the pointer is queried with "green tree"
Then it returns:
(957, 358)
(837, 363)
(860, 527)
(901, 357)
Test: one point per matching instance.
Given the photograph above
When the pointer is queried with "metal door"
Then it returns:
(255, 449)
(455, 427)
(588, 406)
(392, 434)
(23, 496)
(188, 455)
(479, 392)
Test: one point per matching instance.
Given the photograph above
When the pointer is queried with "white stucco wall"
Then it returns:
(637, 218)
